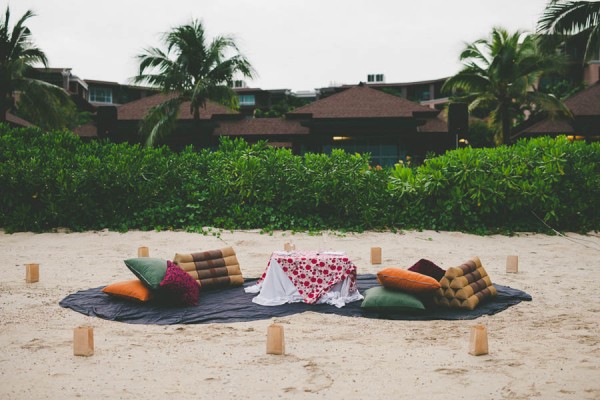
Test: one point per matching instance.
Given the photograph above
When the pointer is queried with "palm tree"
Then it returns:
(573, 18)
(500, 76)
(18, 55)
(191, 69)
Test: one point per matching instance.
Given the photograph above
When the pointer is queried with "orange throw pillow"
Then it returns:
(131, 290)
(408, 281)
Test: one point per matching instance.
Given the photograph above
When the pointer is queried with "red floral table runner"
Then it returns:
(314, 273)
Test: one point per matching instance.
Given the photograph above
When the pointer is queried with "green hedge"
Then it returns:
(50, 180)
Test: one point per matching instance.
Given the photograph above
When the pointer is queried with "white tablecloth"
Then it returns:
(277, 289)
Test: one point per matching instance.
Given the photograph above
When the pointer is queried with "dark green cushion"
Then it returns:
(381, 299)
(151, 271)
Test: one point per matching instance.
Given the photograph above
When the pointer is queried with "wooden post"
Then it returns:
(83, 341)
(289, 247)
(375, 255)
(512, 264)
(32, 273)
(275, 340)
(143, 252)
(479, 343)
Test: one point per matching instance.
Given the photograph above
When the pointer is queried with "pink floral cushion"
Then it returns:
(179, 287)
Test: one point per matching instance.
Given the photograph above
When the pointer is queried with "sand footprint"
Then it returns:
(35, 345)
(452, 371)
(318, 379)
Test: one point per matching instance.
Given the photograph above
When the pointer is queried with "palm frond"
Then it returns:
(548, 103)
(193, 67)
(45, 102)
(467, 80)
(569, 18)
(160, 121)
(224, 95)
(502, 87)
(593, 43)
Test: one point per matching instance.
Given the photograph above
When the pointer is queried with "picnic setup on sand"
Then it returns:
(208, 287)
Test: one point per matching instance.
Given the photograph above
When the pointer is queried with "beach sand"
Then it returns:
(548, 348)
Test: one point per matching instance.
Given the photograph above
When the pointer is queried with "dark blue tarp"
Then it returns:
(234, 305)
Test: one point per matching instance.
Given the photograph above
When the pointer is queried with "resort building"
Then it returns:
(584, 124)
(388, 120)
(88, 94)
(427, 93)
(356, 119)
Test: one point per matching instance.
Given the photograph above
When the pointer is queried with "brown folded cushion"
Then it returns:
(463, 269)
(441, 301)
(445, 282)
(473, 288)
(465, 286)
(483, 295)
(465, 280)
(455, 303)
(439, 292)
(449, 293)
(221, 282)
(212, 269)
(204, 255)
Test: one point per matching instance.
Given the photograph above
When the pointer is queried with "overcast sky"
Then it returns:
(298, 45)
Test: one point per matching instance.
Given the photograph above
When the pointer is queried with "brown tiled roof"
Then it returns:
(583, 104)
(550, 126)
(586, 102)
(361, 102)
(136, 110)
(433, 125)
(87, 130)
(260, 126)
(13, 119)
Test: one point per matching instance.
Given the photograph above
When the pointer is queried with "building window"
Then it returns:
(383, 154)
(247, 100)
(100, 95)
(375, 78)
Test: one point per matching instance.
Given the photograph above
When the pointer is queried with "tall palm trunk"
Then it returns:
(506, 127)
(4, 107)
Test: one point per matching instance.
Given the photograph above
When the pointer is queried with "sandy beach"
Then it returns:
(548, 348)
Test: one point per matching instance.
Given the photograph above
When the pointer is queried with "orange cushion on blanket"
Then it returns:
(408, 281)
(131, 290)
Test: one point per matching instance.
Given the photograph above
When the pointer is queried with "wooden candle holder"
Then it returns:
(479, 343)
(143, 252)
(375, 255)
(275, 340)
(512, 264)
(83, 341)
(32, 273)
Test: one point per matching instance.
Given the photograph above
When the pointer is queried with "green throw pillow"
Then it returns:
(381, 299)
(151, 271)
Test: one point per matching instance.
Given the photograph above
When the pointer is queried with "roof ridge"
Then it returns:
(584, 91)
(405, 106)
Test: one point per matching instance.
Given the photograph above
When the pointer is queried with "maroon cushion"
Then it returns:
(179, 287)
(428, 268)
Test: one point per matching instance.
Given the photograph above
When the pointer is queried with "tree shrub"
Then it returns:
(53, 179)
